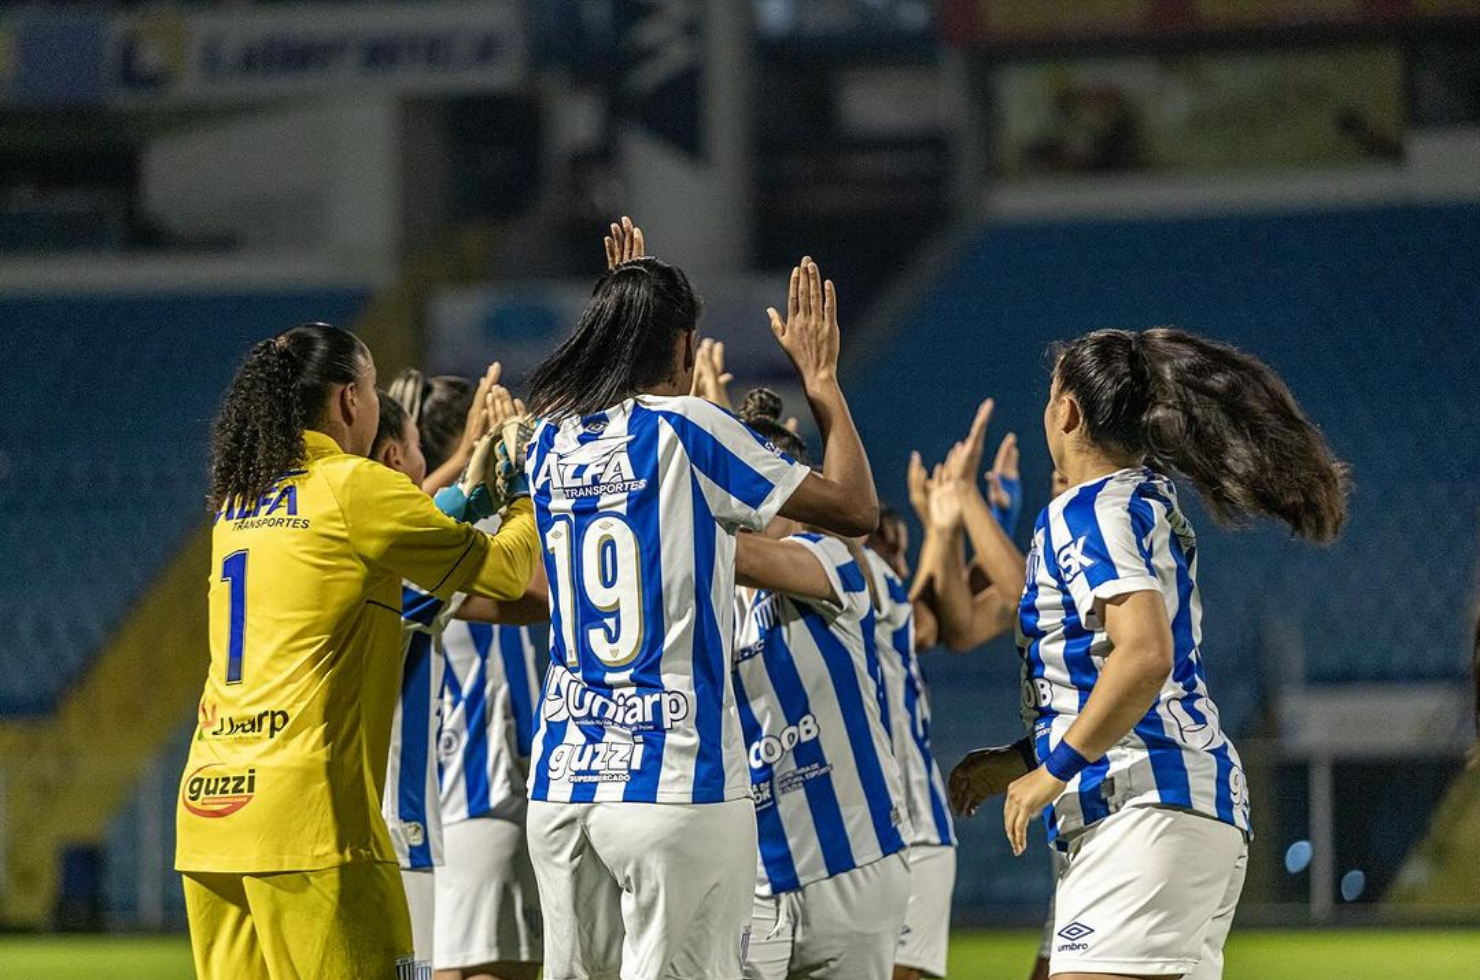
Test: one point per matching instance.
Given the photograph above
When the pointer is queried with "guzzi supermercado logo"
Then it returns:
(217, 794)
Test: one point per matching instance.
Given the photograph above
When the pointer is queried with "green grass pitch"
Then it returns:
(1252, 955)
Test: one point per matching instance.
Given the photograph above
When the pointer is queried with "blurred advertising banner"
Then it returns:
(1005, 23)
(1198, 112)
(192, 57)
(519, 324)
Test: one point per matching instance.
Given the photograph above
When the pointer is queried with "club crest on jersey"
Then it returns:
(1072, 559)
(217, 795)
(592, 469)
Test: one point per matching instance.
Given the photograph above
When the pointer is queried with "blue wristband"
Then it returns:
(1064, 763)
(452, 502)
(1007, 517)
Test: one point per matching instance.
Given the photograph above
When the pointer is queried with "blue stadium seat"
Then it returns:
(104, 417)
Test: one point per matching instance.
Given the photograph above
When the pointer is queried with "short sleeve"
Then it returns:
(395, 526)
(843, 574)
(745, 479)
(1102, 547)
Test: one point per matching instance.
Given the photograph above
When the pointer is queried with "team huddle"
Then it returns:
(719, 765)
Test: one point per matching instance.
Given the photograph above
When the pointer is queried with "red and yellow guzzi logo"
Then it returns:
(218, 795)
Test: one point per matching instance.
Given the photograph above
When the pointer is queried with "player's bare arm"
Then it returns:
(1138, 666)
(840, 499)
(781, 566)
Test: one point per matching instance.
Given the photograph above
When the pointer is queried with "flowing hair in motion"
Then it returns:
(278, 392)
(1213, 415)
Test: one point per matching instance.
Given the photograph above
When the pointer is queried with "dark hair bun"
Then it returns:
(760, 405)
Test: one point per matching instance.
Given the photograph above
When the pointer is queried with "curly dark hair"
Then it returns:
(1213, 414)
(279, 391)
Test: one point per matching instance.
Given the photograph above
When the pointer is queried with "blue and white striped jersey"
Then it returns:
(909, 708)
(410, 804)
(828, 793)
(637, 508)
(489, 695)
(1119, 534)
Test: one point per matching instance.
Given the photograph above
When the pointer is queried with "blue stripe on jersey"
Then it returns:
(1082, 672)
(919, 730)
(419, 607)
(711, 458)
(475, 714)
(647, 667)
(1223, 792)
(776, 856)
(511, 641)
(855, 720)
(416, 710)
(709, 663)
(1168, 766)
(822, 798)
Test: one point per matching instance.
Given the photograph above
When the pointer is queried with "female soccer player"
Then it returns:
(641, 827)
(487, 919)
(289, 870)
(1146, 793)
(834, 881)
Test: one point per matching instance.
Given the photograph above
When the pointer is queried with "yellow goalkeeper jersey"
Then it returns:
(289, 758)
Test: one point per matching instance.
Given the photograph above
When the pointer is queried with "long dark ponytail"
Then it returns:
(279, 391)
(1212, 414)
(622, 344)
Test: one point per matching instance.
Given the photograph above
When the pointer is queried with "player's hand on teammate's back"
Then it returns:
(624, 243)
(809, 333)
(984, 773)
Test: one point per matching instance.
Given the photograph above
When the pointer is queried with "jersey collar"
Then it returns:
(319, 444)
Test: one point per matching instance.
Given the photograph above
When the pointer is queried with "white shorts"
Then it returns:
(421, 898)
(488, 908)
(644, 891)
(841, 928)
(1046, 944)
(1149, 891)
(926, 935)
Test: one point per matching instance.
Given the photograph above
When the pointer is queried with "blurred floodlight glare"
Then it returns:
(1297, 857)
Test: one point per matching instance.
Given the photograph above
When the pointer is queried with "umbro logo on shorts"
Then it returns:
(1075, 931)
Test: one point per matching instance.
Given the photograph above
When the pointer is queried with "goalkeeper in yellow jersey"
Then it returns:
(288, 867)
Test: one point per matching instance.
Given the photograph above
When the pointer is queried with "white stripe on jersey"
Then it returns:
(489, 699)
(637, 509)
(1111, 536)
(909, 708)
(410, 803)
(828, 793)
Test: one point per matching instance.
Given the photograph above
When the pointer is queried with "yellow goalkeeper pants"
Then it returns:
(344, 923)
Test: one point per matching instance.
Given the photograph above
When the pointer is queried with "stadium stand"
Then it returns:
(116, 444)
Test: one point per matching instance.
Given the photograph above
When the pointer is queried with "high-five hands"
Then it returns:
(624, 243)
(809, 333)
(711, 382)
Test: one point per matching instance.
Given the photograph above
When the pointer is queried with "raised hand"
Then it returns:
(477, 424)
(624, 243)
(1004, 472)
(809, 333)
(711, 383)
(975, 442)
(920, 488)
(946, 504)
